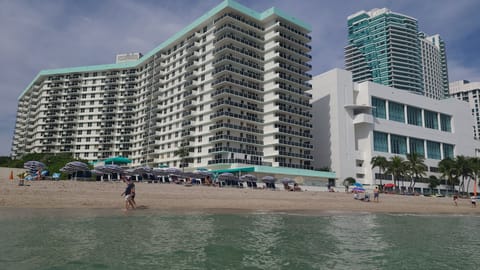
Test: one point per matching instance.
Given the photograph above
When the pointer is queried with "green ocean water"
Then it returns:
(98, 239)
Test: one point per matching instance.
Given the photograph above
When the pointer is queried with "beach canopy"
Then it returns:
(287, 180)
(389, 185)
(248, 178)
(75, 166)
(34, 165)
(269, 179)
(227, 177)
(140, 170)
(358, 185)
(108, 169)
(117, 160)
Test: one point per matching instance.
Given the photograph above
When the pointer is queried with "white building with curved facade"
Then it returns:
(354, 122)
(230, 87)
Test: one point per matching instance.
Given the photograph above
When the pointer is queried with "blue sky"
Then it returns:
(46, 34)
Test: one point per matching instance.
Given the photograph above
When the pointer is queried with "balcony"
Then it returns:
(241, 161)
(363, 118)
(233, 138)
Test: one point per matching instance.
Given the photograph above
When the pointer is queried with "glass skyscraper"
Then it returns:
(386, 47)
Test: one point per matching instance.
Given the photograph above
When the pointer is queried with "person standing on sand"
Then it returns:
(455, 199)
(474, 201)
(375, 194)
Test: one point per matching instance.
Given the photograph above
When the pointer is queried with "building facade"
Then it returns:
(386, 47)
(230, 88)
(470, 93)
(434, 66)
(368, 119)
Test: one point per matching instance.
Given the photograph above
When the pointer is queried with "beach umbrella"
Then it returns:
(97, 172)
(358, 185)
(287, 180)
(33, 164)
(111, 168)
(358, 189)
(173, 170)
(142, 170)
(269, 179)
(248, 178)
(389, 185)
(227, 177)
(74, 167)
(117, 160)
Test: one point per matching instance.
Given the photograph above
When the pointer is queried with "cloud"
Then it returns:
(40, 35)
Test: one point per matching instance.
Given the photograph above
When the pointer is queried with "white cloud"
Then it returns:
(53, 34)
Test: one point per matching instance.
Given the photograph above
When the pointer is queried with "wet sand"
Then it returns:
(172, 197)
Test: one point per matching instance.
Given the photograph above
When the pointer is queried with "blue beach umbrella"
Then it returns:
(358, 185)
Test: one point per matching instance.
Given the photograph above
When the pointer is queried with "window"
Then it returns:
(417, 146)
(445, 122)
(380, 141)
(414, 116)
(396, 112)
(379, 109)
(431, 119)
(448, 150)
(398, 144)
(433, 150)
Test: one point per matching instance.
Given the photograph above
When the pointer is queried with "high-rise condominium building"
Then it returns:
(469, 92)
(386, 47)
(434, 65)
(230, 88)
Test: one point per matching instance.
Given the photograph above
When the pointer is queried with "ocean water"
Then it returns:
(100, 239)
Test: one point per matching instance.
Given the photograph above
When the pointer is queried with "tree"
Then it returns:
(348, 182)
(449, 170)
(416, 167)
(396, 167)
(464, 169)
(183, 152)
(381, 162)
(475, 165)
(433, 182)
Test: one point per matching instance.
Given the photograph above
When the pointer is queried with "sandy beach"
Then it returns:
(172, 197)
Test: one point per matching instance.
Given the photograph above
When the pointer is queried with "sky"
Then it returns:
(37, 35)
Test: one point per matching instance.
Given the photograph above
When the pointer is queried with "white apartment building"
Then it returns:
(230, 87)
(354, 122)
(434, 66)
(470, 93)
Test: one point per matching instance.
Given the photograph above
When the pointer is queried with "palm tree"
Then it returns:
(475, 165)
(433, 182)
(396, 167)
(381, 162)
(464, 169)
(449, 170)
(415, 165)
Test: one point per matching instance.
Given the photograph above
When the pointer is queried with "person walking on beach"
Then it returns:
(134, 204)
(376, 194)
(455, 199)
(474, 201)
(128, 195)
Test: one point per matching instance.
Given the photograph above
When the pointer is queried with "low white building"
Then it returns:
(353, 122)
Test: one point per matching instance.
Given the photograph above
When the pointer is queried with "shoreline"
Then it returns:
(172, 198)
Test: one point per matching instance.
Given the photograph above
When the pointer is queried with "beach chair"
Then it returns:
(56, 176)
